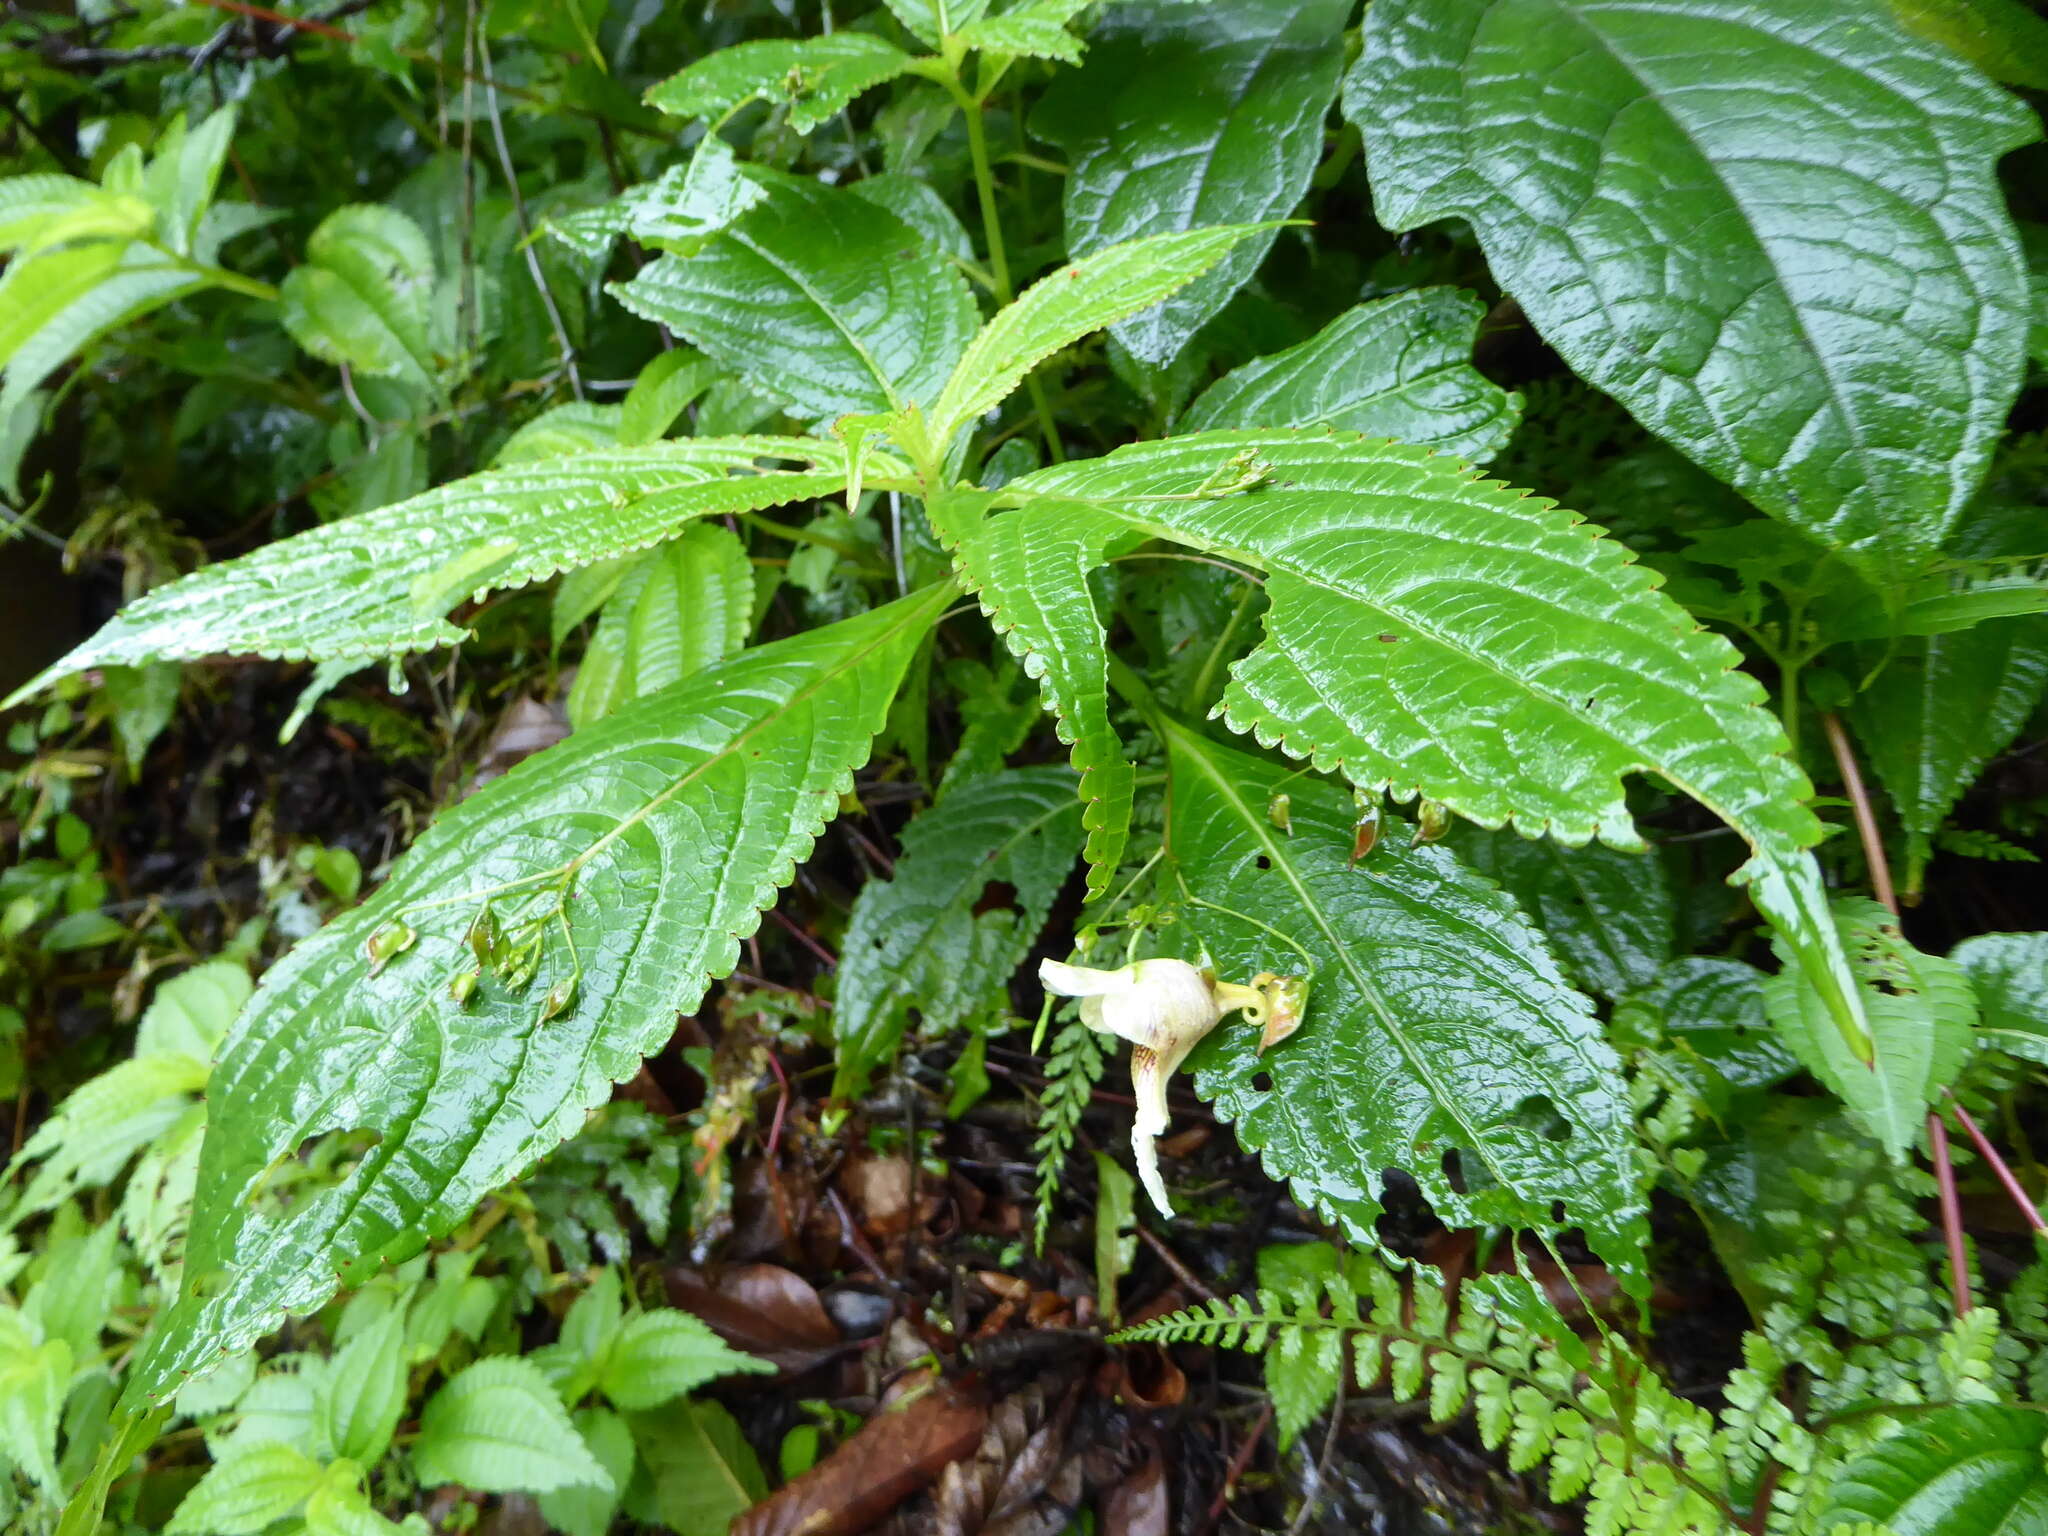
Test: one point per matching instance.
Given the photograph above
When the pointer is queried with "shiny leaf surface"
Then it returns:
(627, 863)
(362, 295)
(1648, 181)
(1190, 115)
(1974, 1470)
(2009, 974)
(814, 78)
(1438, 1028)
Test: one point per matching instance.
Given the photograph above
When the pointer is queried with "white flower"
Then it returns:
(1163, 1007)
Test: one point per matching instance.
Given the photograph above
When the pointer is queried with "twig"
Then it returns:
(1314, 1495)
(824, 956)
(1866, 819)
(2003, 1173)
(1951, 1214)
(1171, 1260)
(1238, 1463)
(540, 282)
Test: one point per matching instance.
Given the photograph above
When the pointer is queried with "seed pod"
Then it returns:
(559, 997)
(394, 938)
(462, 987)
(1280, 811)
(1432, 821)
(484, 935)
(1366, 831)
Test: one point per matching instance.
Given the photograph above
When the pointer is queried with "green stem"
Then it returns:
(220, 277)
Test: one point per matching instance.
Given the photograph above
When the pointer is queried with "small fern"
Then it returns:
(1071, 1072)
(1972, 843)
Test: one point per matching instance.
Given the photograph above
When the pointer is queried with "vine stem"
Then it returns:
(1998, 1166)
(1951, 1214)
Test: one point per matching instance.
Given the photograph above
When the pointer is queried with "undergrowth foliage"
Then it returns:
(1462, 563)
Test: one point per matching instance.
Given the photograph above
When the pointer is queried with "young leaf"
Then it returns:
(1625, 170)
(361, 1395)
(1443, 636)
(2009, 974)
(183, 173)
(922, 940)
(1399, 367)
(53, 306)
(1062, 307)
(1962, 1471)
(378, 584)
(1032, 579)
(1036, 29)
(38, 212)
(498, 1427)
(362, 296)
(35, 1378)
(676, 212)
(626, 864)
(246, 1491)
(1922, 1016)
(1943, 707)
(683, 607)
(1608, 913)
(663, 1354)
(815, 77)
(818, 297)
(1437, 1027)
(1191, 115)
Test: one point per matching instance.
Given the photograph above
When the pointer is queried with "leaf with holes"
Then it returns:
(935, 938)
(1438, 1030)
(818, 297)
(1190, 115)
(379, 584)
(1922, 1015)
(1441, 635)
(1398, 367)
(597, 887)
(1774, 233)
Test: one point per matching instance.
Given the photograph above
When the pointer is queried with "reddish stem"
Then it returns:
(781, 1106)
(1866, 819)
(2004, 1174)
(1951, 1213)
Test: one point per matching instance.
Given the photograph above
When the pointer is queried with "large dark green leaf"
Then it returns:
(1185, 115)
(1772, 231)
(928, 939)
(818, 297)
(2009, 974)
(642, 850)
(1438, 1028)
(1975, 1470)
(1398, 367)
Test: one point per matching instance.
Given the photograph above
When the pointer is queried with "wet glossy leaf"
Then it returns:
(2009, 974)
(814, 78)
(933, 940)
(1627, 171)
(1190, 115)
(1441, 635)
(677, 211)
(362, 295)
(1703, 1019)
(1922, 1015)
(1608, 914)
(1975, 1470)
(818, 297)
(637, 853)
(378, 584)
(680, 608)
(1398, 367)
(1438, 1029)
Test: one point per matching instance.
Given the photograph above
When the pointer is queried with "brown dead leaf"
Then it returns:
(1151, 1379)
(763, 1309)
(1139, 1505)
(529, 726)
(899, 1451)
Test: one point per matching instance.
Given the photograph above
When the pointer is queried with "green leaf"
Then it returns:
(1036, 29)
(586, 1510)
(1116, 1215)
(1440, 635)
(1703, 1018)
(681, 608)
(1059, 309)
(923, 941)
(2001, 37)
(1608, 913)
(247, 1491)
(1974, 1470)
(363, 295)
(1398, 367)
(1922, 1014)
(561, 431)
(351, 589)
(142, 700)
(498, 1427)
(665, 1353)
(677, 211)
(661, 393)
(1303, 1366)
(1438, 1031)
(55, 305)
(1031, 576)
(1191, 115)
(37, 212)
(1626, 171)
(703, 1469)
(641, 851)
(816, 296)
(1939, 711)
(35, 1378)
(814, 78)
(361, 1395)
(931, 20)
(183, 172)
(2009, 974)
